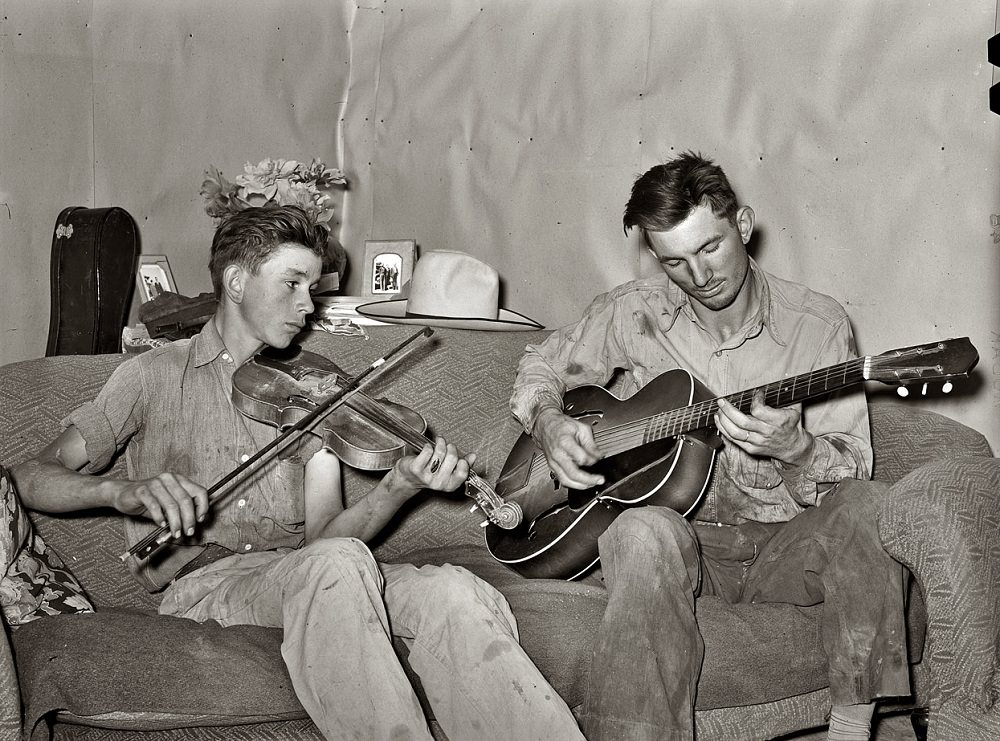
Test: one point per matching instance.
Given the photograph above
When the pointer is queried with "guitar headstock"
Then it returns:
(923, 364)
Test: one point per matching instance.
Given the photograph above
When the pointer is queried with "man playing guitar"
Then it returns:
(786, 517)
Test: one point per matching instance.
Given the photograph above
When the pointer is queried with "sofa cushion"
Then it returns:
(133, 669)
(147, 671)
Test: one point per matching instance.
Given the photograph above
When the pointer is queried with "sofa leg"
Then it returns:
(918, 719)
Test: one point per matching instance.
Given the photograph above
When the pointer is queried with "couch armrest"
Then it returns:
(10, 695)
(941, 522)
(905, 438)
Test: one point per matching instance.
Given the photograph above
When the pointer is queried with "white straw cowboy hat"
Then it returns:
(451, 289)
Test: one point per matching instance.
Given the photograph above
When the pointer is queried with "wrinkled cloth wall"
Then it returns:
(859, 132)
(112, 102)
(46, 156)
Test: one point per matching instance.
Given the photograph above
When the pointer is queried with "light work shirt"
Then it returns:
(646, 327)
(171, 409)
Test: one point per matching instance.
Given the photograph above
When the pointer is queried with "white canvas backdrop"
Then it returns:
(859, 131)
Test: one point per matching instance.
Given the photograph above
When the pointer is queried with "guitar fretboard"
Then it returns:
(696, 416)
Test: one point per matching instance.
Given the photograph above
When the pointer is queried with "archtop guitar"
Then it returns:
(659, 447)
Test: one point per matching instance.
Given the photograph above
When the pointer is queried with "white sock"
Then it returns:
(851, 722)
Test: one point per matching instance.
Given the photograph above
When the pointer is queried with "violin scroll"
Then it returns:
(505, 515)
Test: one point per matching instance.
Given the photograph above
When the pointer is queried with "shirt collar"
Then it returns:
(207, 345)
(678, 301)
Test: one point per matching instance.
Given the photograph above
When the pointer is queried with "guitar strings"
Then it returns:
(673, 422)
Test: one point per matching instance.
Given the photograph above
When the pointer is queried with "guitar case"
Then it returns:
(95, 254)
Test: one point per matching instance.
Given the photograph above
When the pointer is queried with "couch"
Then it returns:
(126, 673)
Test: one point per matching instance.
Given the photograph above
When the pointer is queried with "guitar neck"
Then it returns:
(702, 414)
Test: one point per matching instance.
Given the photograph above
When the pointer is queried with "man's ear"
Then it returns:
(744, 222)
(233, 283)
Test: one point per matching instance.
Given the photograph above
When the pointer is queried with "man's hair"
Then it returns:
(248, 238)
(667, 194)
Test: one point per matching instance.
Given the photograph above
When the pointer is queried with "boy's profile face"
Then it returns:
(277, 298)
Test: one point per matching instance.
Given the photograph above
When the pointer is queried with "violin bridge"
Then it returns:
(328, 383)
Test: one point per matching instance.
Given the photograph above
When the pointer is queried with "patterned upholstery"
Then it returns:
(942, 522)
(460, 381)
(906, 437)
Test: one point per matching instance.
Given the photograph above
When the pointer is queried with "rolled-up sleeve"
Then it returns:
(588, 351)
(839, 423)
(108, 422)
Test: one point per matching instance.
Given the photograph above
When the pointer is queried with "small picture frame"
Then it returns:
(388, 266)
(154, 277)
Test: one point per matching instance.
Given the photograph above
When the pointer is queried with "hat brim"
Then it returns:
(395, 311)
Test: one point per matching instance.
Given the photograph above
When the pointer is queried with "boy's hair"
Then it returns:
(667, 194)
(248, 238)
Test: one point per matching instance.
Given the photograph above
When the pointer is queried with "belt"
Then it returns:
(209, 554)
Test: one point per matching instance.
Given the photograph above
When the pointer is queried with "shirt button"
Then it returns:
(248, 547)
(244, 458)
(225, 356)
(242, 502)
(718, 353)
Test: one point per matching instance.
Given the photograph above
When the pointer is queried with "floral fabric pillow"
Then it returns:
(34, 581)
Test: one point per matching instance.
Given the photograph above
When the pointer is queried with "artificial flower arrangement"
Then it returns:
(283, 183)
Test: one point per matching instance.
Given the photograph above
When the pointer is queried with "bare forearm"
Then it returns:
(437, 467)
(51, 487)
(369, 515)
(52, 482)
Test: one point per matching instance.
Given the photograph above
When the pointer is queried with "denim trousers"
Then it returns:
(339, 610)
(648, 651)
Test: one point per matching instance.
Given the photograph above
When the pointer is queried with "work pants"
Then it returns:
(648, 652)
(340, 609)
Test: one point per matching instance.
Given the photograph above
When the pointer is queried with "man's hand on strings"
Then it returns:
(767, 431)
(568, 444)
(437, 467)
(168, 499)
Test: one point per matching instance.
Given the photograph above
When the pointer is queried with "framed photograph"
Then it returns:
(388, 266)
(154, 277)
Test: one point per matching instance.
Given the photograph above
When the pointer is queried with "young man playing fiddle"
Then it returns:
(283, 549)
(786, 517)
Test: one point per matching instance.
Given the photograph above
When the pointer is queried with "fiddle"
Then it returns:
(279, 387)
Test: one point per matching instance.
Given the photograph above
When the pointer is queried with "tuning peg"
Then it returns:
(473, 508)
(947, 387)
(902, 391)
(923, 390)
(484, 523)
